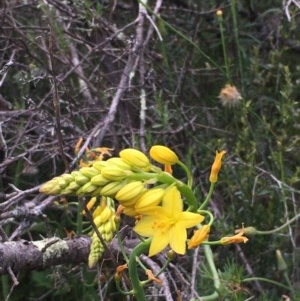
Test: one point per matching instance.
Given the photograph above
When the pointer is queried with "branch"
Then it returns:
(36, 255)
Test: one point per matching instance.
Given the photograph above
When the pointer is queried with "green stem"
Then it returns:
(265, 280)
(215, 276)
(5, 286)
(121, 246)
(237, 41)
(133, 272)
(288, 281)
(220, 20)
(188, 173)
(206, 212)
(279, 228)
(79, 217)
(211, 189)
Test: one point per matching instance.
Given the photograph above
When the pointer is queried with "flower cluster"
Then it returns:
(142, 190)
(104, 219)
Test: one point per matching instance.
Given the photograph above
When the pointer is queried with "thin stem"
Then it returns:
(220, 20)
(188, 173)
(265, 280)
(237, 41)
(215, 276)
(279, 228)
(133, 272)
(205, 202)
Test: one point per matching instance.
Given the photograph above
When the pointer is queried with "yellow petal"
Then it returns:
(144, 227)
(172, 201)
(178, 238)
(190, 219)
(159, 242)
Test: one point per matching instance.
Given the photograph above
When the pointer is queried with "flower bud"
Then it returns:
(51, 187)
(99, 180)
(163, 155)
(89, 171)
(90, 204)
(99, 165)
(171, 255)
(86, 189)
(104, 216)
(72, 187)
(114, 173)
(112, 188)
(130, 191)
(282, 266)
(150, 198)
(96, 251)
(67, 177)
(81, 179)
(118, 162)
(62, 182)
(134, 158)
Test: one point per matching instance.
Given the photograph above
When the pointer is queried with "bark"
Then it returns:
(36, 255)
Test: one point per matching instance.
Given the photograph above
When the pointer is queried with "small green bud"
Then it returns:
(282, 266)
(112, 188)
(119, 162)
(89, 171)
(114, 173)
(51, 187)
(67, 177)
(99, 180)
(87, 188)
(99, 165)
(81, 179)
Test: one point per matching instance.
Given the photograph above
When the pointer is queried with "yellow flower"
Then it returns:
(230, 96)
(199, 236)
(167, 224)
(235, 239)
(134, 158)
(213, 178)
(163, 155)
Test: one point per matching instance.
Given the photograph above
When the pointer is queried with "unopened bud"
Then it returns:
(163, 155)
(282, 266)
(134, 158)
(130, 191)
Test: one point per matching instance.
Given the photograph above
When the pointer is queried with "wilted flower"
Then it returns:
(230, 96)
(235, 239)
(213, 178)
(199, 236)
